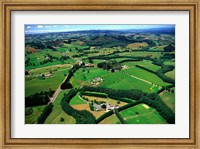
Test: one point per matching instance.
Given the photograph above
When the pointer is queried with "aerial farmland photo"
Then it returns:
(99, 74)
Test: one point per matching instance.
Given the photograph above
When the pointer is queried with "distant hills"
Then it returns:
(162, 30)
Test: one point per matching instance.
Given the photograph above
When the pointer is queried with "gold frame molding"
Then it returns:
(98, 5)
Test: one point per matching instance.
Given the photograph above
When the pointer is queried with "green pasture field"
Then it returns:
(111, 120)
(158, 48)
(143, 74)
(61, 50)
(82, 77)
(121, 59)
(39, 56)
(169, 99)
(169, 63)
(171, 74)
(57, 112)
(142, 114)
(152, 67)
(141, 63)
(73, 47)
(68, 61)
(36, 84)
(47, 69)
(137, 53)
(96, 61)
(76, 100)
(119, 80)
(37, 110)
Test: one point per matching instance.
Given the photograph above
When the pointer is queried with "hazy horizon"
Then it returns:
(46, 28)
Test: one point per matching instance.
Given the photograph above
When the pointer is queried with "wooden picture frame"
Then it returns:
(49, 5)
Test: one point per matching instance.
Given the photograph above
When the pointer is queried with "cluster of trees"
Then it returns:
(26, 72)
(37, 99)
(51, 47)
(169, 48)
(83, 116)
(66, 84)
(168, 56)
(63, 58)
(28, 62)
(48, 59)
(105, 41)
(91, 106)
(67, 41)
(157, 62)
(111, 64)
(36, 45)
(45, 113)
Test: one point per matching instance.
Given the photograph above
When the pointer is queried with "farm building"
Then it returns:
(89, 65)
(98, 107)
(96, 81)
(79, 63)
(124, 66)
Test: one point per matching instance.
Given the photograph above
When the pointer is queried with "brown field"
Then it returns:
(137, 45)
(86, 107)
(31, 50)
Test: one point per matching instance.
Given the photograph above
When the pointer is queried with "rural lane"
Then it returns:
(52, 99)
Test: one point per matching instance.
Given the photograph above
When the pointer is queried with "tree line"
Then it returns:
(81, 116)
(116, 94)
(38, 99)
(45, 113)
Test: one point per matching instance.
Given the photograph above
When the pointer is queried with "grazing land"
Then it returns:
(94, 75)
(169, 99)
(142, 114)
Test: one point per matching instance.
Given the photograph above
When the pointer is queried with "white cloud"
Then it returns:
(39, 26)
(39, 31)
(47, 26)
(28, 27)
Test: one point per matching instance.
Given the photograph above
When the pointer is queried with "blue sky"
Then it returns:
(43, 28)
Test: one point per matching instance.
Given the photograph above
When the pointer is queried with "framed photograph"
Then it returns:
(82, 74)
